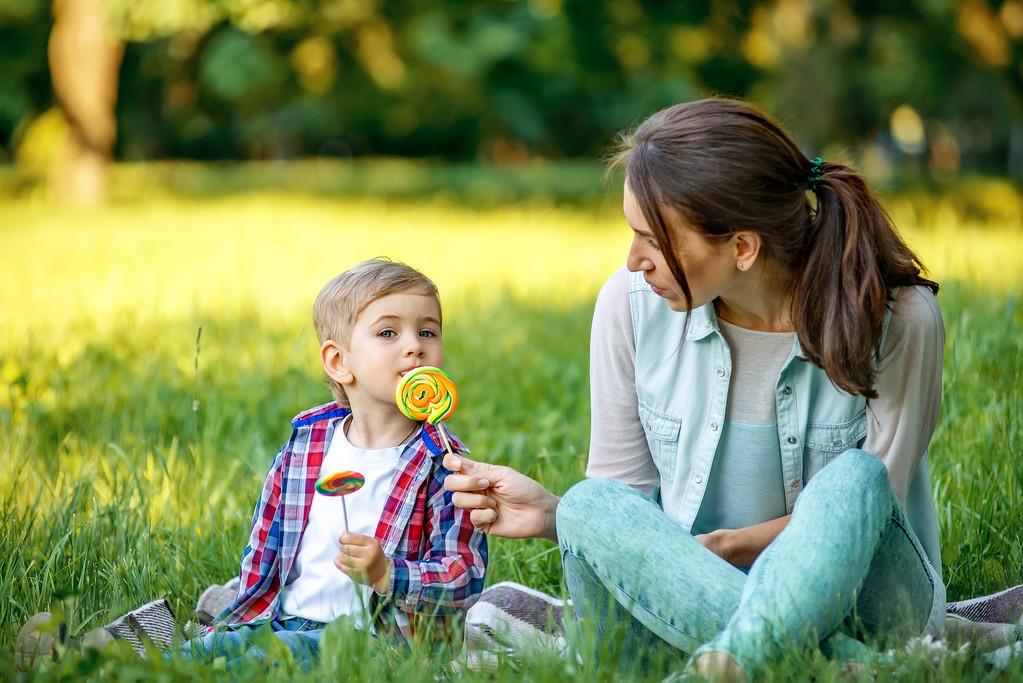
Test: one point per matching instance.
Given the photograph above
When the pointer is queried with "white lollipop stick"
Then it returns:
(444, 438)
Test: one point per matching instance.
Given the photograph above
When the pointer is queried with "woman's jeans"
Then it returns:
(301, 636)
(847, 565)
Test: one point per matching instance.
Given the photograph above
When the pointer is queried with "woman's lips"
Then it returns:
(658, 291)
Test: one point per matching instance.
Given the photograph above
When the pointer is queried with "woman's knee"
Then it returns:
(584, 511)
(856, 468)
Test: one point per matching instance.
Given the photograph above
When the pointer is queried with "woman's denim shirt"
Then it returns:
(683, 388)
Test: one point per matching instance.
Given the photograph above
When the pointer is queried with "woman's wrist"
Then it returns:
(550, 517)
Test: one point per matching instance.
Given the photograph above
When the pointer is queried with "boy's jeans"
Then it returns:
(846, 551)
(302, 636)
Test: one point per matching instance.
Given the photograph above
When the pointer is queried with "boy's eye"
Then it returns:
(427, 333)
(386, 334)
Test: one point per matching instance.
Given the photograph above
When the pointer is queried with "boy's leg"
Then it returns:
(230, 644)
(301, 636)
(847, 544)
(627, 563)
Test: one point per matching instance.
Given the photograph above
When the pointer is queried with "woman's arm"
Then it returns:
(504, 502)
(501, 501)
(618, 445)
(901, 420)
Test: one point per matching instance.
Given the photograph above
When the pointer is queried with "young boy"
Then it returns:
(408, 550)
(409, 553)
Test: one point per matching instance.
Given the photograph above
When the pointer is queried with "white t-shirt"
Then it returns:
(321, 591)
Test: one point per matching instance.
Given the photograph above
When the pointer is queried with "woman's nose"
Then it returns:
(636, 260)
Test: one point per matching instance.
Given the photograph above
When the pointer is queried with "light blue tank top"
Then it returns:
(745, 486)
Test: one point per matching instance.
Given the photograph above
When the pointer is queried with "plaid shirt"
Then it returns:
(437, 557)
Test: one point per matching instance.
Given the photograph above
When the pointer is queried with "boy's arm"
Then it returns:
(259, 558)
(261, 552)
(449, 578)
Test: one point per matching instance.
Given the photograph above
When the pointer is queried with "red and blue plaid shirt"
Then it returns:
(438, 558)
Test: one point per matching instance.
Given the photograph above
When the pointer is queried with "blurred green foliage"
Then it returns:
(504, 81)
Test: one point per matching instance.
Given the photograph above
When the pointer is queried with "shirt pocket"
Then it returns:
(662, 434)
(825, 442)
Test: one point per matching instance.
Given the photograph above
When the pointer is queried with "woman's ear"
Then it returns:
(333, 359)
(747, 249)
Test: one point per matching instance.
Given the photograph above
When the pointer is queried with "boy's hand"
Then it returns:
(363, 559)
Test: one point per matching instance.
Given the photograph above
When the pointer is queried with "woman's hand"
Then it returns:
(500, 500)
(741, 547)
(718, 542)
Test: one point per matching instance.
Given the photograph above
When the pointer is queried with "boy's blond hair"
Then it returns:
(341, 300)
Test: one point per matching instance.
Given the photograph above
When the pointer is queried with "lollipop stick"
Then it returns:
(344, 511)
(444, 438)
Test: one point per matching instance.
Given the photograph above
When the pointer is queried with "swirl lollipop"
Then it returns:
(426, 393)
(340, 484)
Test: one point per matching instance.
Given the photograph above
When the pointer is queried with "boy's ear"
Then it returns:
(332, 357)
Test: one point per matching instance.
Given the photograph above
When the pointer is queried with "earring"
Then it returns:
(741, 265)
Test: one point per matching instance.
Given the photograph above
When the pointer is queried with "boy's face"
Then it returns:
(392, 335)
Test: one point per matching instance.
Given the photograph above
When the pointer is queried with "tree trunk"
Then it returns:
(85, 60)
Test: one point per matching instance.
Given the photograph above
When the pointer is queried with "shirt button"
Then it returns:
(698, 479)
(713, 426)
(721, 372)
(792, 440)
(836, 443)
(787, 390)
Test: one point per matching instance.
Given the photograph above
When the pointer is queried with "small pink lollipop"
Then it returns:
(341, 484)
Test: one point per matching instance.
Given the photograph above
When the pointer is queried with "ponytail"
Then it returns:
(854, 257)
(725, 166)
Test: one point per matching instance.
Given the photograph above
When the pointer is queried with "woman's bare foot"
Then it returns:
(720, 667)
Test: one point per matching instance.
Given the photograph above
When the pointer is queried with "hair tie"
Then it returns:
(816, 167)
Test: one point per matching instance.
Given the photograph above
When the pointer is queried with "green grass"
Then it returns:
(129, 463)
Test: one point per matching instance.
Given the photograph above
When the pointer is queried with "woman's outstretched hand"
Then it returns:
(500, 500)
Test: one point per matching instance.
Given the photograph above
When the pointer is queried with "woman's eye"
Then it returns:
(653, 245)
(387, 334)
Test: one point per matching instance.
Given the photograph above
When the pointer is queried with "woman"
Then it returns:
(774, 340)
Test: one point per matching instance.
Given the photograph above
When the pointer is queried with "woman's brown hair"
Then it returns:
(726, 167)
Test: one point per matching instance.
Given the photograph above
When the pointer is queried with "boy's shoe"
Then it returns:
(41, 638)
(37, 640)
(215, 600)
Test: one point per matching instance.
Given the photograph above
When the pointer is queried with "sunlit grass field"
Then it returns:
(132, 445)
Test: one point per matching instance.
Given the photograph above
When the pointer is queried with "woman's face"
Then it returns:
(709, 266)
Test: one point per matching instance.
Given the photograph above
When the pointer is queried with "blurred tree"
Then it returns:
(85, 58)
(505, 81)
